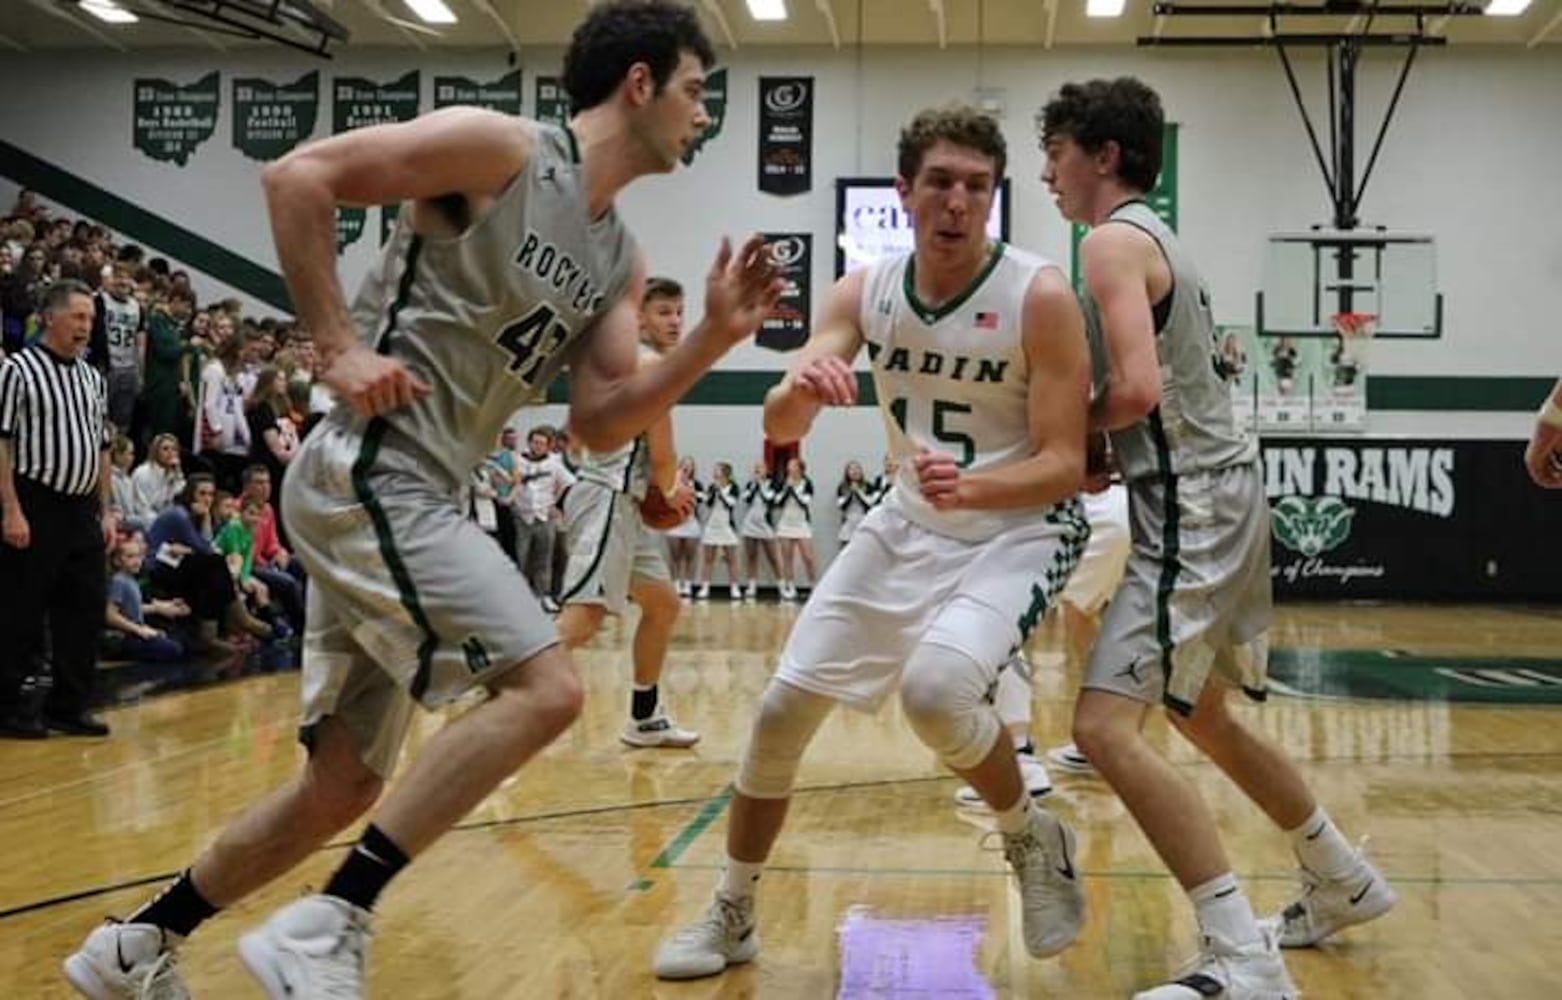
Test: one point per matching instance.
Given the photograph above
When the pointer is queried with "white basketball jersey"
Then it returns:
(952, 378)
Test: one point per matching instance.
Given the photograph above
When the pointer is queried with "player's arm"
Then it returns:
(1058, 406)
(1116, 267)
(612, 398)
(822, 374)
(1544, 453)
(465, 151)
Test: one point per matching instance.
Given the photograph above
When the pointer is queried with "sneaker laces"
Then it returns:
(723, 921)
(162, 980)
(340, 972)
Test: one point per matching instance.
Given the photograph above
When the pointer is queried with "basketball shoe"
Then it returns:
(314, 947)
(1052, 904)
(1251, 971)
(658, 731)
(1327, 906)
(725, 936)
(121, 961)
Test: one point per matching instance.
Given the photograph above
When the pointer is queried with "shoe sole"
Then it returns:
(655, 744)
(746, 953)
(254, 953)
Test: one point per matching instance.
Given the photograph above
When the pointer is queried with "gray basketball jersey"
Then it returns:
(486, 317)
(1194, 428)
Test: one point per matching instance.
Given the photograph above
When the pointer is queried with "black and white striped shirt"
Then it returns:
(53, 411)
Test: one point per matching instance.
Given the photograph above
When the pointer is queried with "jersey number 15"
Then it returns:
(961, 444)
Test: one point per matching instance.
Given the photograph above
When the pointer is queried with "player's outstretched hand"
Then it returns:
(741, 288)
(1543, 457)
(938, 477)
(829, 380)
(372, 383)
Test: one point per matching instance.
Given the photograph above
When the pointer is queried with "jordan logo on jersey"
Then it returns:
(560, 272)
(955, 368)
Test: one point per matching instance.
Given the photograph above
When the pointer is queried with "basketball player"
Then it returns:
(613, 555)
(980, 365)
(1190, 619)
(1543, 457)
(509, 263)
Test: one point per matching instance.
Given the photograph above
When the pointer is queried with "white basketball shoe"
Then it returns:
(314, 947)
(658, 731)
(724, 936)
(121, 961)
(1252, 971)
(1327, 906)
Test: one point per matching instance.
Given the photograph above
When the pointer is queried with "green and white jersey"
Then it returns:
(626, 469)
(486, 317)
(1194, 429)
(952, 379)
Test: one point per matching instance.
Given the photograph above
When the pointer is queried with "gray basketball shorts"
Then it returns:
(1195, 597)
(409, 600)
(609, 547)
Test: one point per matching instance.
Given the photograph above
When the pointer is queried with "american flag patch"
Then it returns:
(987, 321)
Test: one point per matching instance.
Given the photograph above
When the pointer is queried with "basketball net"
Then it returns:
(1355, 331)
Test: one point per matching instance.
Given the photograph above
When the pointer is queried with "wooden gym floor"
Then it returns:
(562, 882)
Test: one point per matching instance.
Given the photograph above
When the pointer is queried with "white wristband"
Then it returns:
(1550, 414)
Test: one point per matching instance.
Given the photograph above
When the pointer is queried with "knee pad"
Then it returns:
(788, 719)
(945, 694)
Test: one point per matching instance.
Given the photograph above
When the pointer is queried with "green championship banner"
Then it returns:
(503, 94)
(716, 108)
(269, 119)
(552, 105)
(171, 120)
(1163, 200)
(357, 103)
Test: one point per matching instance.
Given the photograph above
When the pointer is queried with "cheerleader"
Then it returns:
(721, 537)
(759, 535)
(886, 481)
(792, 515)
(683, 541)
(855, 496)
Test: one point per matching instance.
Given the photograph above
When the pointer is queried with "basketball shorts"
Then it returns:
(1195, 597)
(1101, 569)
(409, 599)
(609, 547)
(898, 585)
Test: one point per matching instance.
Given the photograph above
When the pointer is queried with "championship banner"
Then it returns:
(786, 327)
(715, 108)
(1236, 348)
(170, 120)
(503, 94)
(1287, 369)
(1162, 200)
(356, 103)
(1400, 519)
(552, 104)
(269, 119)
(786, 134)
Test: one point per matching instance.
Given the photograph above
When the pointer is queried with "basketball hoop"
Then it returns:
(1348, 361)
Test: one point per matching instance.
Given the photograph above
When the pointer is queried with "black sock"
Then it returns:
(1026, 748)
(179, 909)
(642, 702)
(374, 861)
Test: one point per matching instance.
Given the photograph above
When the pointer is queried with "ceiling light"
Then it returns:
(1507, 8)
(1104, 8)
(767, 10)
(432, 11)
(107, 10)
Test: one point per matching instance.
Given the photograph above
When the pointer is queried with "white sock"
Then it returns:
(1017, 817)
(739, 879)
(1322, 848)
(1223, 911)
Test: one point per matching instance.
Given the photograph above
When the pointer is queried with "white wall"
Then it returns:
(1471, 158)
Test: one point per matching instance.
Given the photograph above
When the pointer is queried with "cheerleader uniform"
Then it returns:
(854, 500)
(794, 510)
(721, 504)
(758, 495)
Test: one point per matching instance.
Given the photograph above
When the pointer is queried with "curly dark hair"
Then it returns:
(616, 35)
(959, 124)
(1125, 111)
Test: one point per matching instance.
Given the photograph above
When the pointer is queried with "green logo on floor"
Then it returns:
(1388, 675)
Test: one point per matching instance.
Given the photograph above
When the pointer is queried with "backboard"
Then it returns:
(1309, 277)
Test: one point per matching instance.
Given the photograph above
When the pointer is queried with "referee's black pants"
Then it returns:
(56, 584)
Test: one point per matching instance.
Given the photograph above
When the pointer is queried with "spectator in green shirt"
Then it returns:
(236, 542)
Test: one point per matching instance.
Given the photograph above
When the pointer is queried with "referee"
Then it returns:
(54, 495)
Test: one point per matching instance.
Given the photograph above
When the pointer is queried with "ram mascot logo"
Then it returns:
(1312, 525)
